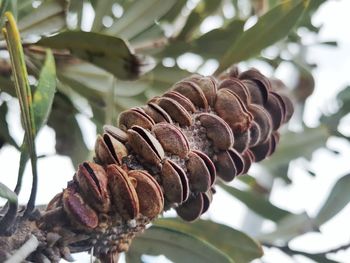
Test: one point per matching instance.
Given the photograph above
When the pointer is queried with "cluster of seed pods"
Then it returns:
(169, 153)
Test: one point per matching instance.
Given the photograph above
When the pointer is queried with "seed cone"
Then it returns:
(168, 154)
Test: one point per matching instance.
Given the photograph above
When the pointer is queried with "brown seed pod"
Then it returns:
(92, 180)
(109, 150)
(192, 208)
(146, 145)
(217, 130)
(135, 116)
(80, 213)
(198, 174)
(172, 139)
(193, 92)
(149, 193)
(123, 193)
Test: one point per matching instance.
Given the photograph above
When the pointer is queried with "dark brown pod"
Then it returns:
(116, 133)
(79, 212)
(192, 208)
(255, 134)
(207, 199)
(261, 151)
(217, 130)
(193, 92)
(123, 193)
(135, 116)
(242, 141)
(261, 81)
(263, 119)
(237, 87)
(149, 193)
(157, 113)
(248, 158)
(198, 173)
(209, 87)
(210, 165)
(172, 139)
(146, 145)
(109, 150)
(229, 164)
(275, 109)
(230, 107)
(177, 113)
(181, 99)
(93, 183)
(174, 182)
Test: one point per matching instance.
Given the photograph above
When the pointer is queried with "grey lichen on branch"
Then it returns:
(166, 154)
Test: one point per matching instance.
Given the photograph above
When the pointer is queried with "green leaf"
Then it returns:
(102, 9)
(6, 193)
(288, 228)
(45, 91)
(48, 18)
(3, 8)
(338, 198)
(108, 52)
(24, 96)
(139, 16)
(214, 43)
(175, 245)
(271, 27)
(257, 203)
(238, 246)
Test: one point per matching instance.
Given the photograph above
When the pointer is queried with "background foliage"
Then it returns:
(97, 58)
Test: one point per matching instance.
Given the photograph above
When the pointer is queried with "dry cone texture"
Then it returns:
(166, 154)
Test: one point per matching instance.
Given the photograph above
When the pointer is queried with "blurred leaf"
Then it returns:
(69, 138)
(102, 8)
(289, 227)
(139, 16)
(238, 246)
(107, 52)
(297, 144)
(337, 199)
(257, 203)
(214, 43)
(6, 193)
(3, 8)
(270, 28)
(306, 84)
(48, 18)
(175, 245)
(7, 220)
(45, 91)
(4, 131)
(203, 9)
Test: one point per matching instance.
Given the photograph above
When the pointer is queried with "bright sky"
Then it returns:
(306, 194)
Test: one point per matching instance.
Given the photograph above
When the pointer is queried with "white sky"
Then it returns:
(307, 193)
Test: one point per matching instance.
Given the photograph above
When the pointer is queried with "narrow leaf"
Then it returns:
(108, 52)
(338, 198)
(288, 228)
(237, 245)
(257, 203)
(45, 91)
(23, 92)
(48, 18)
(139, 16)
(4, 131)
(271, 27)
(176, 245)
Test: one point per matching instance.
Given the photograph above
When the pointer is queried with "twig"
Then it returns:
(24, 251)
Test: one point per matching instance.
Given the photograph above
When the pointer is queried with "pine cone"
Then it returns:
(167, 154)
